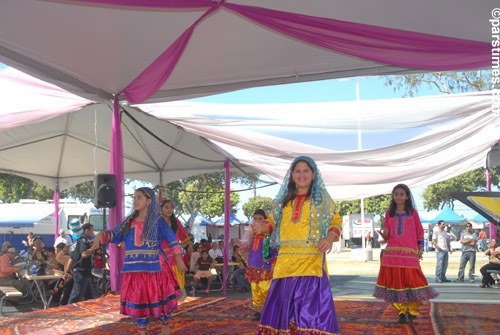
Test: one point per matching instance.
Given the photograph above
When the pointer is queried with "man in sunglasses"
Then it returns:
(468, 241)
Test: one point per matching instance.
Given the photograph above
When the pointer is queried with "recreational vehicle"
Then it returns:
(17, 220)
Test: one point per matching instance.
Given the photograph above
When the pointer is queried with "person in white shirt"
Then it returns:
(63, 238)
(441, 241)
(215, 253)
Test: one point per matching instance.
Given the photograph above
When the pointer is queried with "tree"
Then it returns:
(445, 82)
(436, 196)
(14, 188)
(377, 205)
(205, 193)
(255, 203)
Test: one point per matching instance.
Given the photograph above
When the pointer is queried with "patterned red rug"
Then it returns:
(233, 316)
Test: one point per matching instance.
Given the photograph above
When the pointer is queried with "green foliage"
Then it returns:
(83, 192)
(377, 205)
(437, 195)
(14, 188)
(215, 206)
(255, 203)
(445, 82)
(348, 207)
(205, 193)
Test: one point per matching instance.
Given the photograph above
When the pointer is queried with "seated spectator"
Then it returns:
(202, 268)
(8, 275)
(493, 251)
(205, 245)
(49, 257)
(240, 272)
(6, 245)
(31, 241)
(36, 252)
(188, 251)
(221, 248)
(194, 257)
(63, 238)
(62, 256)
(216, 253)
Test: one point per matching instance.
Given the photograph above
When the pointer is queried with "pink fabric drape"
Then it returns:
(488, 178)
(384, 45)
(55, 198)
(227, 217)
(116, 253)
(493, 231)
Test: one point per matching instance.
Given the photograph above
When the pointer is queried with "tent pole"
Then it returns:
(56, 210)
(116, 253)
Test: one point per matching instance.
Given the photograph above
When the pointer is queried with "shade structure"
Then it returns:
(485, 203)
(97, 48)
(59, 139)
(421, 140)
(448, 216)
(479, 218)
(233, 220)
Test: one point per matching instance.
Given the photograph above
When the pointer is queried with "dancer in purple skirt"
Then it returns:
(304, 225)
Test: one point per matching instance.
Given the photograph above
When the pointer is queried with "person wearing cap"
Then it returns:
(6, 245)
(63, 238)
(8, 275)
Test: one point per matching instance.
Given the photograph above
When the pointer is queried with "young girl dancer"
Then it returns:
(259, 272)
(146, 291)
(167, 211)
(401, 280)
(304, 225)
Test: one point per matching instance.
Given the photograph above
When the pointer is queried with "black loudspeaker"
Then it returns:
(104, 190)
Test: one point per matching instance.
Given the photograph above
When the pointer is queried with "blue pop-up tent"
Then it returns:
(233, 220)
(447, 215)
(479, 218)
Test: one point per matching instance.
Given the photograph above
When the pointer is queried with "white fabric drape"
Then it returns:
(459, 131)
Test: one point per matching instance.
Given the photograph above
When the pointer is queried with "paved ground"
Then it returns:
(350, 287)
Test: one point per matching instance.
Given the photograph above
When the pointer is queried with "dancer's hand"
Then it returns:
(325, 245)
(256, 228)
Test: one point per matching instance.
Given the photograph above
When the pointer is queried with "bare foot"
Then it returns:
(165, 330)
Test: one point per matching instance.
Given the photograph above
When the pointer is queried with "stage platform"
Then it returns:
(219, 315)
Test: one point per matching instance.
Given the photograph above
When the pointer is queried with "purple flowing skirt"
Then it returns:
(299, 305)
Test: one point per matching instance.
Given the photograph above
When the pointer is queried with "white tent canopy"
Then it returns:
(95, 50)
(454, 135)
(52, 136)
(58, 139)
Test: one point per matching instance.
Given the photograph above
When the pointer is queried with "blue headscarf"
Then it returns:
(321, 205)
(150, 228)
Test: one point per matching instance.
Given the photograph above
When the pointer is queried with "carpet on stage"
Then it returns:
(233, 316)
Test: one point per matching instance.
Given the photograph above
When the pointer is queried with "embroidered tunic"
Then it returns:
(297, 256)
(142, 256)
(405, 235)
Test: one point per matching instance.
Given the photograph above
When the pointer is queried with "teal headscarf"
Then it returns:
(321, 208)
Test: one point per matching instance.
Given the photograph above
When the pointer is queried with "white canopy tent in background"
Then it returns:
(57, 138)
(454, 133)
